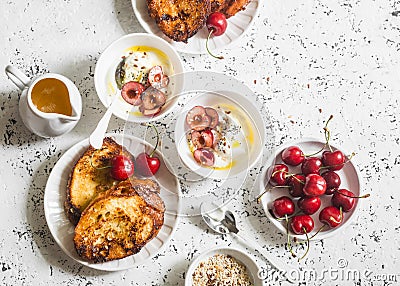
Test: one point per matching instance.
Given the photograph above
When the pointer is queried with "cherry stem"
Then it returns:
(289, 245)
(208, 50)
(157, 135)
(308, 244)
(258, 199)
(93, 166)
(328, 133)
(354, 197)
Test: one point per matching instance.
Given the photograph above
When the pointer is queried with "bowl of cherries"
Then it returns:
(310, 189)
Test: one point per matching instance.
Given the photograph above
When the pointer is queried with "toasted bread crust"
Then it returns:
(90, 176)
(179, 19)
(232, 7)
(120, 221)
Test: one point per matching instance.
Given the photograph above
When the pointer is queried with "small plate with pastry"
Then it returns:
(183, 23)
(107, 219)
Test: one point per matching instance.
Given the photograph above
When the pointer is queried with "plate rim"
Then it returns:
(145, 26)
(261, 187)
(97, 266)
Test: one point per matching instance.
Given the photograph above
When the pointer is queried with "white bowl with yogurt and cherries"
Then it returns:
(219, 134)
(136, 74)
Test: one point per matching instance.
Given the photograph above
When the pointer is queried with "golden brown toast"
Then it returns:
(120, 221)
(232, 7)
(179, 19)
(90, 176)
(217, 5)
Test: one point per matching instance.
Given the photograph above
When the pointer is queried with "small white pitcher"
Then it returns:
(41, 123)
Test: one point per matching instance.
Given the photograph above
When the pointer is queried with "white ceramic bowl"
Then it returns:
(239, 255)
(104, 76)
(350, 179)
(244, 155)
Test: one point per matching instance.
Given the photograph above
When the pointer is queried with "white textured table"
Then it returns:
(305, 60)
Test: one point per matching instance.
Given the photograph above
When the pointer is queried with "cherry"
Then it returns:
(331, 216)
(216, 25)
(292, 156)
(121, 167)
(204, 157)
(344, 199)
(296, 185)
(131, 92)
(279, 173)
(311, 165)
(147, 165)
(302, 224)
(332, 182)
(309, 205)
(315, 185)
(334, 161)
(283, 207)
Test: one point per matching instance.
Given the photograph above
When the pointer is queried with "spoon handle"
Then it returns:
(97, 136)
(286, 270)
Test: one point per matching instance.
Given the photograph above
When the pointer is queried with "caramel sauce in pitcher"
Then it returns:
(50, 95)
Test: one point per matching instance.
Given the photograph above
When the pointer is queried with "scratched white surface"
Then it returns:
(304, 59)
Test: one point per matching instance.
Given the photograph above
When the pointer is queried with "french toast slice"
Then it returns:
(91, 176)
(179, 19)
(119, 221)
(232, 7)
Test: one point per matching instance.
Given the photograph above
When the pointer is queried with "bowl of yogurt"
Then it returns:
(219, 134)
(137, 74)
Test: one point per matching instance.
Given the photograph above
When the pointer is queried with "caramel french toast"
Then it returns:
(120, 221)
(179, 19)
(91, 176)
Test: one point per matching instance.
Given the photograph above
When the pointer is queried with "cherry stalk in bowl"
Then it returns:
(147, 165)
(216, 25)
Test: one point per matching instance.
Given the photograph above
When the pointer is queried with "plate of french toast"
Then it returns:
(183, 22)
(105, 213)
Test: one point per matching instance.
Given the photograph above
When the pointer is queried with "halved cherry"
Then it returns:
(153, 98)
(197, 119)
(202, 139)
(149, 112)
(157, 78)
(204, 157)
(131, 92)
(213, 115)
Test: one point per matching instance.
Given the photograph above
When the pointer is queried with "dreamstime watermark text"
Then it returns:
(340, 272)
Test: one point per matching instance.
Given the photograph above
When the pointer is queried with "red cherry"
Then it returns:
(344, 199)
(204, 157)
(332, 182)
(302, 224)
(296, 185)
(278, 175)
(331, 216)
(217, 23)
(333, 160)
(283, 206)
(315, 185)
(309, 205)
(147, 165)
(292, 156)
(131, 92)
(121, 167)
(311, 165)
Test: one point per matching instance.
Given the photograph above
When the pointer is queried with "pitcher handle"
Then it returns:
(17, 77)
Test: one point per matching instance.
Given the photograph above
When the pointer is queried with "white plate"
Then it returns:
(349, 176)
(104, 76)
(249, 143)
(239, 255)
(237, 27)
(63, 230)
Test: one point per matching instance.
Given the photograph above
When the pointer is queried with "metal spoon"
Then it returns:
(223, 221)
